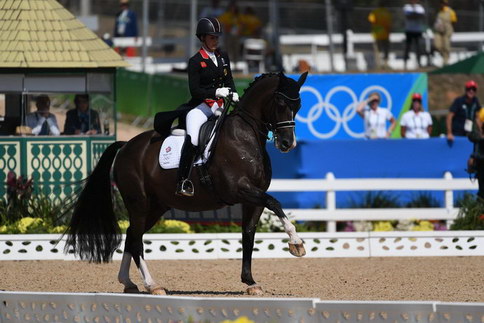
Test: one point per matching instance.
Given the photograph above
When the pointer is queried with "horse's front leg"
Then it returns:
(259, 197)
(250, 218)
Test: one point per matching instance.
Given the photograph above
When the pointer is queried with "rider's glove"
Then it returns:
(235, 97)
(218, 112)
(222, 92)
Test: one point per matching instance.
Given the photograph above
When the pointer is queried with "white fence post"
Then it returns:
(330, 203)
(449, 198)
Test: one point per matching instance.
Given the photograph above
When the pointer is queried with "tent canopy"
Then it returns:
(471, 65)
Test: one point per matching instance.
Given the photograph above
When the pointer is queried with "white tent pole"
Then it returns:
(329, 24)
(193, 26)
(144, 47)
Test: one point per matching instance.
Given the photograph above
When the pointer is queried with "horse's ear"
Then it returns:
(302, 79)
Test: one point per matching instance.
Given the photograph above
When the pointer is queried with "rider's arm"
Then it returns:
(228, 79)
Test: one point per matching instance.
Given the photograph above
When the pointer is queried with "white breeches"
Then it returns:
(196, 117)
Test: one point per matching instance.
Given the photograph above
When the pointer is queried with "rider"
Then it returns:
(210, 80)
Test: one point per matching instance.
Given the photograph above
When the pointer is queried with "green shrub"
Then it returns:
(471, 214)
(374, 200)
(423, 200)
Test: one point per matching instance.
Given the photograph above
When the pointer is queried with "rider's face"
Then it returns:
(210, 42)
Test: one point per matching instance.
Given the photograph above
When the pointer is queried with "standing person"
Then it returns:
(82, 120)
(461, 114)
(231, 20)
(126, 25)
(210, 80)
(414, 27)
(376, 118)
(42, 122)
(416, 123)
(381, 24)
(443, 29)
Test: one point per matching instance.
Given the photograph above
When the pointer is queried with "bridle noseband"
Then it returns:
(282, 124)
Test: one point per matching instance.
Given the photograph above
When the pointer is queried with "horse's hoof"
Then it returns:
(131, 290)
(157, 290)
(255, 290)
(297, 249)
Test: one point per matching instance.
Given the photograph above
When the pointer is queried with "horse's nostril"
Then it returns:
(285, 144)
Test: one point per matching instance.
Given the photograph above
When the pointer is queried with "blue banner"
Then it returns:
(329, 102)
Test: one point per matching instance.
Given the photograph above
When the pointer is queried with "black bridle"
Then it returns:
(283, 124)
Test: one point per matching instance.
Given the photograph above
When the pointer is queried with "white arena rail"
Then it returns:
(267, 245)
(89, 307)
(331, 185)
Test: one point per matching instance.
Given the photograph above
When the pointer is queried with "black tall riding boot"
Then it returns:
(184, 185)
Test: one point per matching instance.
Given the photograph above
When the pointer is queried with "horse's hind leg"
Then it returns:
(134, 248)
(250, 218)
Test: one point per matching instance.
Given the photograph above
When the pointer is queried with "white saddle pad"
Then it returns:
(170, 152)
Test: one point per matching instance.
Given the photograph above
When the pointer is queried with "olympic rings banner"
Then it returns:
(329, 102)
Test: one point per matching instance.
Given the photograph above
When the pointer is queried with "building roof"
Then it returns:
(43, 34)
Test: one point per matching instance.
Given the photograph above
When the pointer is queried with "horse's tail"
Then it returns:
(93, 233)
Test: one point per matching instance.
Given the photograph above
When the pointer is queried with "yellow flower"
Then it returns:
(423, 226)
(3, 228)
(242, 319)
(24, 223)
(383, 226)
(58, 229)
(123, 225)
(183, 226)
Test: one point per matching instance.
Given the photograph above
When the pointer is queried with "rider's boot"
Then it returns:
(184, 184)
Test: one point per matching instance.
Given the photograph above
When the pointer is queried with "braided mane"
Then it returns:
(258, 78)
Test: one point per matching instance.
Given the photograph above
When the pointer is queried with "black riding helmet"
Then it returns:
(208, 26)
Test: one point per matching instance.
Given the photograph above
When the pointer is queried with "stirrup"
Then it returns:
(185, 188)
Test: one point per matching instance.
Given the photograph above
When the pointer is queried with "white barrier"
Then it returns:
(331, 185)
(267, 245)
(84, 307)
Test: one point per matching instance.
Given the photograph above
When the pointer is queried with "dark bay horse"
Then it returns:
(240, 170)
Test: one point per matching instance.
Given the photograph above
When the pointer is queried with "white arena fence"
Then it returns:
(84, 307)
(331, 185)
(267, 245)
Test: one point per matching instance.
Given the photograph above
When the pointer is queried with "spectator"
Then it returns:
(251, 25)
(376, 118)
(231, 21)
(414, 26)
(443, 29)
(381, 24)
(125, 24)
(42, 122)
(82, 119)
(475, 163)
(462, 112)
(416, 123)
(213, 11)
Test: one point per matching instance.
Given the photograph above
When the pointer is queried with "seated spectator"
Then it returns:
(82, 119)
(376, 118)
(42, 122)
(462, 111)
(416, 123)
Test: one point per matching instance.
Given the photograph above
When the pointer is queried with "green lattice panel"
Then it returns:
(97, 149)
(57, 166)
(9, 161)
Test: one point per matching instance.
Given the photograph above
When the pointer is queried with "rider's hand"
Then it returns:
(235, 97)
(222, 92)
(218, 112)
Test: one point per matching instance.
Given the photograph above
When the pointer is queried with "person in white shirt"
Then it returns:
(416, 123)
(42, 122)
(414, 27)
(376, 118)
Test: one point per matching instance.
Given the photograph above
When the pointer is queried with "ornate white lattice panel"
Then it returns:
(267, 245)
(64, 307)
(427, 243)
(16, 307)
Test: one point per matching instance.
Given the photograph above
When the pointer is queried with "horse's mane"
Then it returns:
(258, 78)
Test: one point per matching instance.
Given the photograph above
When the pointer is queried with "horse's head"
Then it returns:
(287, 103)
